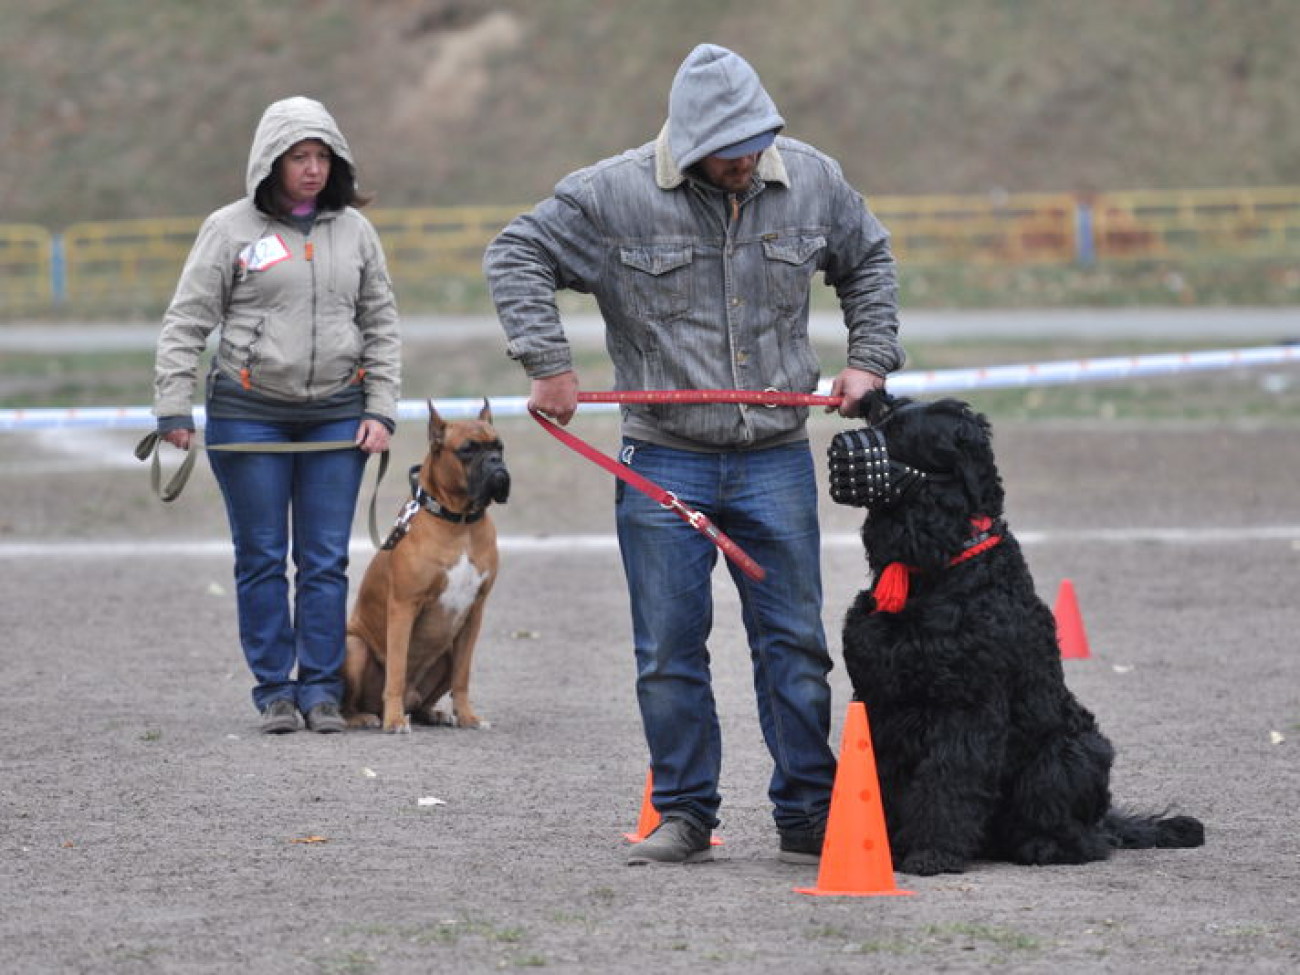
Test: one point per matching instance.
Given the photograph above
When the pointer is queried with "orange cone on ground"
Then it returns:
(856, 861)
(648, 821)
(1069, 624)
(649, 818)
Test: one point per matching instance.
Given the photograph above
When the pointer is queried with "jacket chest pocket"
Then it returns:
(790, 263)
(656, 280)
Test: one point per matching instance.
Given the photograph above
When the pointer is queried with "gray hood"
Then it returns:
(716, 101)
(286, 123)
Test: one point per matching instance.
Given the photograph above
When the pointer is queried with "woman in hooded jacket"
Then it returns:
(294, 280)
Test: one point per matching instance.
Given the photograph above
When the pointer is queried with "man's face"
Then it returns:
(731, 175)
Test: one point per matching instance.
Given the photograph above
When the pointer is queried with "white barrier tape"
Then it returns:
(905, 383)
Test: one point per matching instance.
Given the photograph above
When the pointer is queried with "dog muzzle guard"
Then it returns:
(862, 473)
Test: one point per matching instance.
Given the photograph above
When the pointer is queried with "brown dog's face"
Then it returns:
(486, 477)
(478, 452)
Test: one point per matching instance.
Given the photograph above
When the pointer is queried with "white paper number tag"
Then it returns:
(264, 253)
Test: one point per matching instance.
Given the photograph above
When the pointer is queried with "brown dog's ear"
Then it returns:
(436, 428)
(485, 414)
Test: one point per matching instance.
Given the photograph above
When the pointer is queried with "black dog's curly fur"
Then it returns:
(982, 751)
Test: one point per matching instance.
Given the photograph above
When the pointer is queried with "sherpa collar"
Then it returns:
(771, 167)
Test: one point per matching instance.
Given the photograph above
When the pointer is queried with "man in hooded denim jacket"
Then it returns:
(700, 248)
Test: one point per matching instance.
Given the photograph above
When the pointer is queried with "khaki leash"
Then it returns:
(149, 446)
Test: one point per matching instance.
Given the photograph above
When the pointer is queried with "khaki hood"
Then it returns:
(286, 123)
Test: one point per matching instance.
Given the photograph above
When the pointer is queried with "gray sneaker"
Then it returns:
(279, 717)
(324, 719)
(675, 840)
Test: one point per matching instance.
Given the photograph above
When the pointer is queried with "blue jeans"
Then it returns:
(766, 501)
(271, 499)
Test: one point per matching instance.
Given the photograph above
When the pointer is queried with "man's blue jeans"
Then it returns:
(766, 501)
(271, 499)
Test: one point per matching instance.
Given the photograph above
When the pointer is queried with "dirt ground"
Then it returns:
(146, 825)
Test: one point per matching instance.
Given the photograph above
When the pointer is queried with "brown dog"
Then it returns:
(417, 616)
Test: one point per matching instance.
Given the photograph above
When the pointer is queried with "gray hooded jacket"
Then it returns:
(301, 317)
(699, 289)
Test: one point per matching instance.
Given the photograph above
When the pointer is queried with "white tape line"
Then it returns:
(576, 544)
(905, 383)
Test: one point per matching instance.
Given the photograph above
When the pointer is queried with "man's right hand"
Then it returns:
(556, 396)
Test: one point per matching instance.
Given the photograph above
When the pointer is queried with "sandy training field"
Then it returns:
(148, 827)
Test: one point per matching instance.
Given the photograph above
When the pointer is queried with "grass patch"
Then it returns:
(450, 933)
(353, 962)
(970, 937)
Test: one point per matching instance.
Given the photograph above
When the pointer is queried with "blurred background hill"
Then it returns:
(137, 108)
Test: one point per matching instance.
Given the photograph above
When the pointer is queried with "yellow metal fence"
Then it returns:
(1250, 223)
(128, 264)
(26, 268)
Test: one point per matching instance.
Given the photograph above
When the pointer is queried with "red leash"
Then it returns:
(754, 397)
(697, 520)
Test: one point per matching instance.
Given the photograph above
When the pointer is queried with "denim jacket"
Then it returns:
(699, 290)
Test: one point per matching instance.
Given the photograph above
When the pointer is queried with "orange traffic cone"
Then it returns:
(649, 818)
(855, 854)
(1069, 624)
(648, 821)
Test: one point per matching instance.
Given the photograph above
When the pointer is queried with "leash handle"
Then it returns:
(148, 447)
(696, 519)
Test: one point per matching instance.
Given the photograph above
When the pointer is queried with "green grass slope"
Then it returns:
(123, 108)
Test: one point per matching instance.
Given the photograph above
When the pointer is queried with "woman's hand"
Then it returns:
(372, 436)
(179, 438)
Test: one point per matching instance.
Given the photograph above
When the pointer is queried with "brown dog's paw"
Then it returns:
(363, 720)
(438, 718)
(400, 727)
(467, 719)
(433, 717)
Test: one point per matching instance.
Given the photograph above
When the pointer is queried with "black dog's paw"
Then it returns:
(927, 863)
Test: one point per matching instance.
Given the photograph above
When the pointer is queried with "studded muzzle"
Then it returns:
(862, 473)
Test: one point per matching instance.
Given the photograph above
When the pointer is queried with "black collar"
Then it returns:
(427, 502)
(422, 499)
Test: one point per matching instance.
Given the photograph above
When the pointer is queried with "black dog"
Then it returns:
(982, 751)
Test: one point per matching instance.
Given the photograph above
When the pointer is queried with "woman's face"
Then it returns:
(304, 168)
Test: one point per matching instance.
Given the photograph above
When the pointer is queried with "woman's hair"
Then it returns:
(340, 189)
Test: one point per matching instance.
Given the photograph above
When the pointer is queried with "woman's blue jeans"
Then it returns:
(766, 501)
(277, 504)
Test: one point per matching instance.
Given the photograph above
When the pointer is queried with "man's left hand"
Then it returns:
(852, 386)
